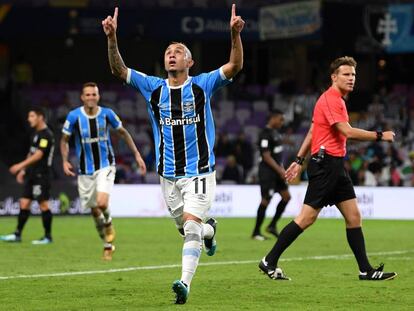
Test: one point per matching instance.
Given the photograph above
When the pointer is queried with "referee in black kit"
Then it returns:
(35, 173)
(271, 173)
(329, 182)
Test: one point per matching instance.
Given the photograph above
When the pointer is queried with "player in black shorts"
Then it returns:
(35, 173)
(271, 174)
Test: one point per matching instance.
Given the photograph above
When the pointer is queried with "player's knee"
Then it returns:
(192, 230)
(286, 198)
(265, 201)
(353, 220)
(305, 221)
(102, 204)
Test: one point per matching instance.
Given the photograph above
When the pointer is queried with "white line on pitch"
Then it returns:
(217, 263)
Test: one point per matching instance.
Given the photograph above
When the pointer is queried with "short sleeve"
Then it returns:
(69, 123)
(212, 80)
(43, 143)
(264, 142)
(143, 83)
(114, 120)
(336, 111)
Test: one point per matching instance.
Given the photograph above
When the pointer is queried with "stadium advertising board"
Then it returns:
(242, 201)
(290, 20)
(230, 201)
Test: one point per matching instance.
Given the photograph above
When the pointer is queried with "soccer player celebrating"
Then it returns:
(183, 128)
(271, 174)
(90, 123)
(329, 182)
(35, 173)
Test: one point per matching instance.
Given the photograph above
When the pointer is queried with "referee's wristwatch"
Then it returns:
(379, 136)
(299, 160)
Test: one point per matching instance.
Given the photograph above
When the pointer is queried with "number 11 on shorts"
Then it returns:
(196, 188)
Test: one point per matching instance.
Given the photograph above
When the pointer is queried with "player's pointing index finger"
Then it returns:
(116, 13)
(233, 10)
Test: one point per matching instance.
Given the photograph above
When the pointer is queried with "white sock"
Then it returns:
(208, 231)
(99, 223)
(191, 250)
(107, 214)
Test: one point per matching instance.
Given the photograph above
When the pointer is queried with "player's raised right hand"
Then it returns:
(68, 168)
(110, 24)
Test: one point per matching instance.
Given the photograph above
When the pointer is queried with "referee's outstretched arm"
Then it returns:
(359, 134)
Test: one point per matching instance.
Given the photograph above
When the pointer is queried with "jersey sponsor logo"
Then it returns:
(182, 121)
(93, 140)
(277, 149)
(43, 143)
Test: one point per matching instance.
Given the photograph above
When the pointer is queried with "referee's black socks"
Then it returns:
(356, 242)
(21, 221)
(47, 223)
(286, 237)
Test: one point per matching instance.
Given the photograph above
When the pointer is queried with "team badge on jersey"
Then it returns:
(188, 106)
(43, 143)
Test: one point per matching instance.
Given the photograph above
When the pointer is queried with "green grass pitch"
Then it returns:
(151, 248)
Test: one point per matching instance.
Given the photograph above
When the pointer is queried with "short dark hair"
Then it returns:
(275, 112)
(89, 84)
(344, 60)
(38, 110)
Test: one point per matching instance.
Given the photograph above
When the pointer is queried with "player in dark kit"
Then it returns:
(329, 182)
(271, 174)
(35, 173)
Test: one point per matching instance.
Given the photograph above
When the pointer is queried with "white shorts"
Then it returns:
(88, 185)
(192, 195)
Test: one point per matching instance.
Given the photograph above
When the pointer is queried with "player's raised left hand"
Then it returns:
(110, 24)
(236, 22)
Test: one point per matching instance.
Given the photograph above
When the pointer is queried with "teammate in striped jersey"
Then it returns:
(184, 134)
(90, 123)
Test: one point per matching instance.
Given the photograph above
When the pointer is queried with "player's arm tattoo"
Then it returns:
(116, 62)
(64, 147)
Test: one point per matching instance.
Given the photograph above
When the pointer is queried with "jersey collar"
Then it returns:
(178, 86)
(88, 116)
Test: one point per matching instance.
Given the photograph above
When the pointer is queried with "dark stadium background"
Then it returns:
(49, 48)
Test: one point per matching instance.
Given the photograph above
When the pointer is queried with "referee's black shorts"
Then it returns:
(37, 188)
(270, 182)
(329, 182)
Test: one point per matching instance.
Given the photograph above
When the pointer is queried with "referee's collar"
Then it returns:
(335, 91)
(88, 116)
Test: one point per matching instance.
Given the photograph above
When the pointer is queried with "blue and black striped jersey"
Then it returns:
(92, 139)
(182, 121)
